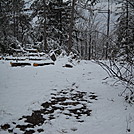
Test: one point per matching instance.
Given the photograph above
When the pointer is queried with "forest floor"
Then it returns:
(54, 99)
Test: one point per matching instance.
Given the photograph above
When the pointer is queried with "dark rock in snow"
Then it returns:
(35, 119)
(68, 66)
(53, 56)
(29, 132)
(5, 126)
(40, 130)
(46, 105)
(10, 130)
(24, 127)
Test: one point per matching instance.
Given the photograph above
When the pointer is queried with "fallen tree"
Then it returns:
(42, 64)
(16, 64)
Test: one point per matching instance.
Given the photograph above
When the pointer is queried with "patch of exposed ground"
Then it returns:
(68, 102)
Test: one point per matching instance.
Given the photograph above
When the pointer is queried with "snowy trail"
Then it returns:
(24, 89)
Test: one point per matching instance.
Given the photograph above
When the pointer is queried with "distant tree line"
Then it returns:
(70, 25)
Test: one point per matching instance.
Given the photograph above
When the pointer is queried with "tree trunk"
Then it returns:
(70, 42)
(14, 23)
(108, 26)
(45, 34)
(60, 21)
(89, 50)
(127, 25)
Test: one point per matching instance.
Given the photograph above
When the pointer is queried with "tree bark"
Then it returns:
(45, 29)
(108, 26)
(70, 42)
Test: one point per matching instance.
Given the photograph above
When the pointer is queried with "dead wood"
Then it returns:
(42, 64)
(16, 64)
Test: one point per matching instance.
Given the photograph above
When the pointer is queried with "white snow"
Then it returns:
(23, 89)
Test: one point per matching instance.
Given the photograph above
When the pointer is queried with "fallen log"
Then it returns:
(35, 59)
(15, 59)
(42, 64)
(16, 64)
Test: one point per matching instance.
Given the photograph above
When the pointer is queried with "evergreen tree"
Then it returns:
(5, 28)
(14, 22)
(56, 21)
(125, 31)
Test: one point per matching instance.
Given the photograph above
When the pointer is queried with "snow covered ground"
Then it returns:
(76, 100)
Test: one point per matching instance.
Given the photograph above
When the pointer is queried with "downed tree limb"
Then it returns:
(15, 64)
(42, 64)
(115, 71)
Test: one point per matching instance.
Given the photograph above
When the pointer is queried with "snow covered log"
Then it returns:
(15, 64)
(36, 59)
(16, 59)
(42, 64)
